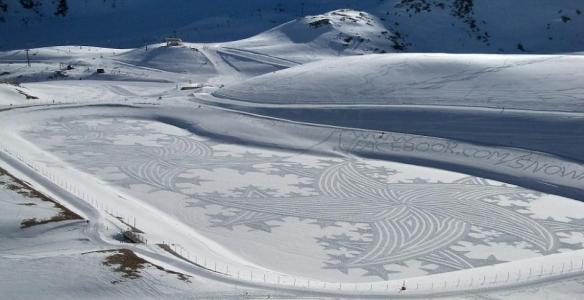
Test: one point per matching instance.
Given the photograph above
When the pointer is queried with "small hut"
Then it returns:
(173, 42)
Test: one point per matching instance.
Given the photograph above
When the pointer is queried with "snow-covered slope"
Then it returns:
(339, 32)
(310, 159)
(12, 94)
(495, 81)
(492, 26)
(172, 59)
(257, 198)
(493, 99)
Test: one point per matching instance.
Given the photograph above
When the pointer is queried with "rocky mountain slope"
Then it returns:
(485, 26)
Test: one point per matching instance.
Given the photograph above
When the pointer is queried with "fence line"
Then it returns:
(490, 277)
(125, 100)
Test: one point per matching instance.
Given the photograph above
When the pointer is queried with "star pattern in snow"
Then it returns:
(390, 224)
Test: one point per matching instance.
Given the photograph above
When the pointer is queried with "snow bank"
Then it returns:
(15, 95)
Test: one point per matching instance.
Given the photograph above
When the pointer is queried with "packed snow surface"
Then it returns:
(309, 160)
(293, 202)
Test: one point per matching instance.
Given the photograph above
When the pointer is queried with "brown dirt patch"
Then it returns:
(24, 189)
(130, 265)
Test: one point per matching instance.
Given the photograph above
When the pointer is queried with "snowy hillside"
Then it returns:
(493, 99)
(291, 149)
(495, 81)
(336, 33)
(486, 26)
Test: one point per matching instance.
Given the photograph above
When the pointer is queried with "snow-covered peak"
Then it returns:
(344, 30)
(336, 33)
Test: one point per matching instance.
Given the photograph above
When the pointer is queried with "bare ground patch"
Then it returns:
(28, 96)
(24, 189)
(130, 265)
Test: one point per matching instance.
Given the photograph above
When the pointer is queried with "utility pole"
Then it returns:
(27, 57)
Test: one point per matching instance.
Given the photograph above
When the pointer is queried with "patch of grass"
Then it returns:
(126, 262)
(62, 216)
(24, 189)
(130, 265)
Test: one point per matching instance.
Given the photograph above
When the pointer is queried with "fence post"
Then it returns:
(519, 275)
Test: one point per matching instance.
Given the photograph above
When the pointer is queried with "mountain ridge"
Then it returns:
(461, 26)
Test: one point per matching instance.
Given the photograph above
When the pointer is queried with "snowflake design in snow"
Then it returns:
(411, 222)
